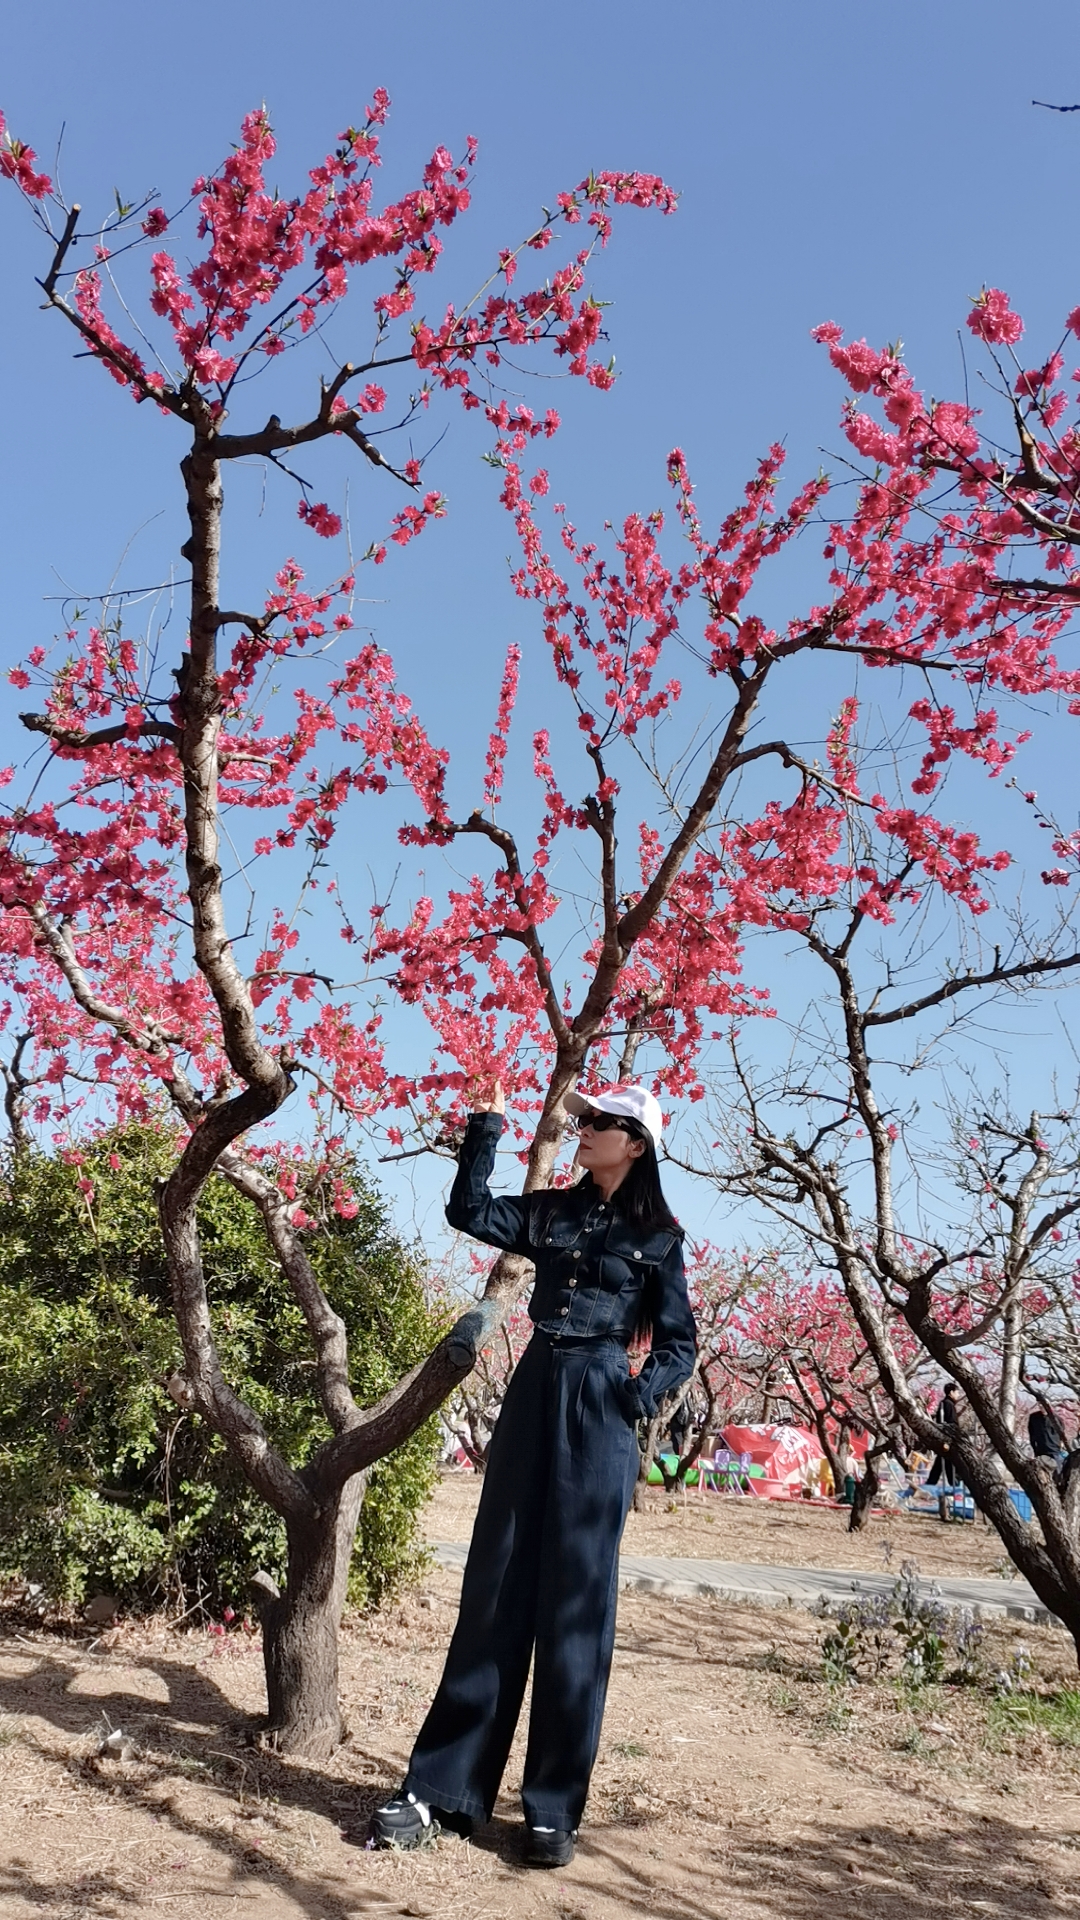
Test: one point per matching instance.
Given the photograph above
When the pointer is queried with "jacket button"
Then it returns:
(572, 1280)
(637, 1255)
(564, 1311)
(577, 1253)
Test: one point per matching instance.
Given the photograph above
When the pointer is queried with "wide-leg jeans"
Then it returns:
(541, 1582)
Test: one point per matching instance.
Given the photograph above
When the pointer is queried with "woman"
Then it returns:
(542, 1574)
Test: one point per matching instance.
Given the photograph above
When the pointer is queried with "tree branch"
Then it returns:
(377, 1430)
(326, 1327)
(73, 741)
(639, 916)
(995, 976)
(48, 285)
(795, 765)
(146, 1037)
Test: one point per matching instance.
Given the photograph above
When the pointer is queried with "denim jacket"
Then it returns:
(592, 1268)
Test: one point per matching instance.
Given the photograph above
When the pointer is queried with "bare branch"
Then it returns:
(794, 764)
(996, 975)
(48, 285)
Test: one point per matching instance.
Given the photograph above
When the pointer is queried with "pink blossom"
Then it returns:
(992, 318)
(319, 518)
(17, 163)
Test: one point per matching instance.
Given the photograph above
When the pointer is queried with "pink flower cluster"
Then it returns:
(497, 740)
(17, 164)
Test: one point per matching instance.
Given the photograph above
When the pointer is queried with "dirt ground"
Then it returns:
(749, 1532)
(730, 1782)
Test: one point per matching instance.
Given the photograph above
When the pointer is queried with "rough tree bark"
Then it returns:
(866, 1492)
(300, 1628)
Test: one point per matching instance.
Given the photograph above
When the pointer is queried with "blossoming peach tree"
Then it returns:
(118, 948)
(643, 854)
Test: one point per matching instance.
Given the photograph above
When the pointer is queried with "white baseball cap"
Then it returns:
(631, 1103)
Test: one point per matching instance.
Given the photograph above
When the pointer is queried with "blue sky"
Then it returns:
(866, 163)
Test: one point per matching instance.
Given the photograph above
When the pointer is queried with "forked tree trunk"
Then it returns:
(1046, 1551)
(300, 1630)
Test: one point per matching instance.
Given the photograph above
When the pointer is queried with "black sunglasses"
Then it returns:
(603, 1122)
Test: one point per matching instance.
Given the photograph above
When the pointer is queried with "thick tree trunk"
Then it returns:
(866, 1492)
(692, 1460)
(300, 1631)
(648, 1457)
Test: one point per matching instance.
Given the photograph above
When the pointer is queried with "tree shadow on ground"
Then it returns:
(96, 1887)
(197, 1733)
(877, 1871)
(825, 1869)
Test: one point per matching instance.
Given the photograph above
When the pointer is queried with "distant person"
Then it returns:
(944, 1467)
(679, 1429)
(1046, 1435)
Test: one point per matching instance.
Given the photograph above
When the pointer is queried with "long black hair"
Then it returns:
(639, 1197)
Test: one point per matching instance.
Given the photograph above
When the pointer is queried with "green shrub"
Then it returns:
(104, 1481)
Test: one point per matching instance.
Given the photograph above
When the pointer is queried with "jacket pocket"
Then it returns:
(554, 1236)
(638, 1249)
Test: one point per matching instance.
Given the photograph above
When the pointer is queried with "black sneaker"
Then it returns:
(403, 1823)
(549, 1847)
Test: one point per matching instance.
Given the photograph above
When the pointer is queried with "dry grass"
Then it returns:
(730, 1782)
